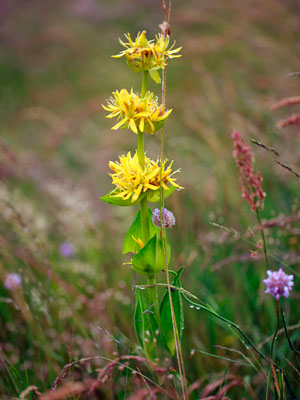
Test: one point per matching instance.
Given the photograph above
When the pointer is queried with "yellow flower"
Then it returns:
(148, 55)
(131, 180)
(135, 113)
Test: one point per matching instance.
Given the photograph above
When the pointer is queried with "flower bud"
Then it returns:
(169, 218)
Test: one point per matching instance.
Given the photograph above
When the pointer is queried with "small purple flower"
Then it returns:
(12, 281)
(279, 283)
(66, 249)
(170, 220)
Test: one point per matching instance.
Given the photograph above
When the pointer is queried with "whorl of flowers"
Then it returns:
(147, 55)
(279, 283)
(131, 180)
(136, 113)
(250, 182)
(169, 218)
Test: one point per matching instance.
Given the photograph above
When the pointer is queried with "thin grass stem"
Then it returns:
(178, 347)
(263, 238)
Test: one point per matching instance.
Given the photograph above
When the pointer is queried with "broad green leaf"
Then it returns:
(135, 230)
(150, 259)
(145, 325)
(166, 317)
(155, 75)
(154, 195)
(118, 201)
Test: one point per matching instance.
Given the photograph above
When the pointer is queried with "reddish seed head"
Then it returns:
(250, 182)
(292, 120)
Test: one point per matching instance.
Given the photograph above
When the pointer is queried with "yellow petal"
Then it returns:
(133, 125)
(142, 123)
(119, 124)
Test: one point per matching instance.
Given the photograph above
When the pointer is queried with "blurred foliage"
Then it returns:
(55, 72)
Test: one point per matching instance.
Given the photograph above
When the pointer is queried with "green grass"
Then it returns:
(55, 71)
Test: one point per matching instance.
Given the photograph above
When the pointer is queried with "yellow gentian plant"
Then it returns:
(137, 179)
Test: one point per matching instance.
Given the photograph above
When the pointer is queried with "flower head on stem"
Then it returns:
(131, 180)
(139, 114)
(148, 55)
(279, 283)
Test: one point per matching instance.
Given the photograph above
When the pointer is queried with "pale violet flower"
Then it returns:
(12, 281)
(279, 283)
(66, 249)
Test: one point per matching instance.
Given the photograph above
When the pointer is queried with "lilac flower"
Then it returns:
(279, 283)
(170, 220)
(12, 281)
(66, 249)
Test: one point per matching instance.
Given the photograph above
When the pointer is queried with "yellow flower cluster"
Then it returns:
(136, 113)
(131, 180)
(148, 55)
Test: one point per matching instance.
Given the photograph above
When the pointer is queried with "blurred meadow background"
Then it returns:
(75, 297)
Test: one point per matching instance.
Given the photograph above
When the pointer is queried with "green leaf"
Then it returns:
(130, 245)
(166, 317)
(155, 75)
(154, 195)
(133, 67)
(157, 126)
(150, 259)
(145, 325)
(118, 201)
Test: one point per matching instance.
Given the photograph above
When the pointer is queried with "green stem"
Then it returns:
(275, 335)
(263, 238)
(141, 158)
(141, 149)
(286, 331)
(153, 296)
(272, 348)
(145, 219)
(153, 293)
(144, 84)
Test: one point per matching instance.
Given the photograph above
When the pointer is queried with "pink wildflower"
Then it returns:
(279, 283)
(250, 182)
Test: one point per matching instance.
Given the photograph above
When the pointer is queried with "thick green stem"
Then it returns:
(153, 293)
(141, 158)
(144, 84)
(153, 296)
(145, 219)
(141, 149)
